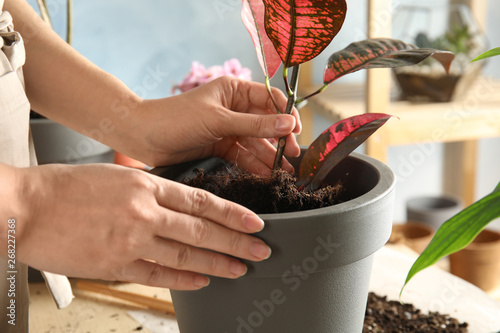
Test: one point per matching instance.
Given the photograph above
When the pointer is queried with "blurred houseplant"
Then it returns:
(55, 143)
(449, 27)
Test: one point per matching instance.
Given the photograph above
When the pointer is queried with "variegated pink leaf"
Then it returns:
(301, 29)
(380, 53)
(252, 15)
(333, 145)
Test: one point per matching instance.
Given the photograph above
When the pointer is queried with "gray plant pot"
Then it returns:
(55, 143)
(317, 277)
(432, 210)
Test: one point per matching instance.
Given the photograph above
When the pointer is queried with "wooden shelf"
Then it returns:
(475, 115)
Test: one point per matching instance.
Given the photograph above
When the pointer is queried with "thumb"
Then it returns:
(259, 126)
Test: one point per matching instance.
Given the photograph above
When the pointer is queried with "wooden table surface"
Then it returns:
(89, 312)
(95, 313)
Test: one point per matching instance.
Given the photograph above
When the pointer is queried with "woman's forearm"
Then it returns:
(64, 86)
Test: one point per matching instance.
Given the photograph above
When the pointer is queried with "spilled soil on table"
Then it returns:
(385, 316)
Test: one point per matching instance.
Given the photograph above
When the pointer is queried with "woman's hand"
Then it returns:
(114, 223)
(228, 118)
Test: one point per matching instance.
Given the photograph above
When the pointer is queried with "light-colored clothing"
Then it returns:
(16, 149)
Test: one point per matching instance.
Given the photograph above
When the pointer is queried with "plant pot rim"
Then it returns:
(445, 201)
(353, 230)
(410, 226)
(492, 241)
(384, 186)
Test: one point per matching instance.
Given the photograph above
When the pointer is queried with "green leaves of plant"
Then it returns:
(379, 53)
(300, 30)
(488, 54)
(458, 232)
(252, 15)
(333, 145)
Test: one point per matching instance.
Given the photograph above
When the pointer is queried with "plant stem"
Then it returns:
(289, 107)
(44, 13)
(268, 87)
(289, 91)
(320, 90)
(69, 21)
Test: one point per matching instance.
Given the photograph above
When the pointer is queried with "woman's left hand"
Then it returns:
(227, 118)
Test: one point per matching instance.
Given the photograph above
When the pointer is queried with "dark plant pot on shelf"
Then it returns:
(420, 87)
(55, 143)
(423, 88)
(433, 210)
(450, 27)
(317, 277)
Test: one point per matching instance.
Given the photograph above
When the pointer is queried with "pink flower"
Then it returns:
(198, 75)
(233, 67)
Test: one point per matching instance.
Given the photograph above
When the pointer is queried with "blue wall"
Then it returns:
(132, 38)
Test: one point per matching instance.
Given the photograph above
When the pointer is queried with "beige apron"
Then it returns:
(16, 149)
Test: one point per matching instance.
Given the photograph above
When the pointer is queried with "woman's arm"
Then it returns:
(228, 118)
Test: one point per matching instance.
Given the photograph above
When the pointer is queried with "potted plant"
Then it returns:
(317, 278)
(55, 143)
(463, 228)
(448, 27)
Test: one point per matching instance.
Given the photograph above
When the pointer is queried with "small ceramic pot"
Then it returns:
(415, 235)
(479, 262)
(433, 211)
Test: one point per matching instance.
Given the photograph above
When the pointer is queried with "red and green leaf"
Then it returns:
(302, 29)
(380, 53)
(333, 145)
(252, 15)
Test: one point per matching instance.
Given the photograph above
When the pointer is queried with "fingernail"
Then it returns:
(237, 268)
(201, 281)
(284, 124)
(260, 251)
(253, 223)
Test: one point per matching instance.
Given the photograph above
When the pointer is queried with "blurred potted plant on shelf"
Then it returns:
(317, 278)
(463, 229)
(55, 142)
(450, 27)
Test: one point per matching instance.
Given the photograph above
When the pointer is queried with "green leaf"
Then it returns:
(300, 30)
(458, 232)
(379, 53)
(488, 54)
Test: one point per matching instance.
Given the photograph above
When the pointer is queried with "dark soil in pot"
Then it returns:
(387, 316)
(264, 195)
